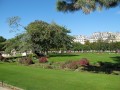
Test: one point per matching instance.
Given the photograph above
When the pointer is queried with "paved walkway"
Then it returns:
(2, 88)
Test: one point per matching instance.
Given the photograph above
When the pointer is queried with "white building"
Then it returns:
(80, 38)
(117, 37)
(104, 36)
(100, 36)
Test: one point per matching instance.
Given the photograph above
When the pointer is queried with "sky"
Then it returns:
(77, 22)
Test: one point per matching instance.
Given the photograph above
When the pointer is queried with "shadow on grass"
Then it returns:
(62, 55)
(116, 59)
(105, 67)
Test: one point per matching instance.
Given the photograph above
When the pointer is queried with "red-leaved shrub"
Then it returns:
(43, 60)
(83, 62)
(75, 64)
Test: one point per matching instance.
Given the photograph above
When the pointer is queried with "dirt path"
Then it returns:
(2, 88)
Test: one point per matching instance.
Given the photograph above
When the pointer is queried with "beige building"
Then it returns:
(104, 36)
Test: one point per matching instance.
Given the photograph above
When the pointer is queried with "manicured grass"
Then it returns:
(92, 57)
(32, 78)
(36, 78)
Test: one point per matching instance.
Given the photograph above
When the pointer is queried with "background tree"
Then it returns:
(2, 40)
(11, 44)
(14, 23)
(19, 43)
(76, 46)
(85, 5)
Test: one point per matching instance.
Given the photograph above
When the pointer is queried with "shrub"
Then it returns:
(83, 62)
(26, 61)
(64, 65)
(75, 64)
(43, 60)
(31, 56)
(48, 66)
(72, 65)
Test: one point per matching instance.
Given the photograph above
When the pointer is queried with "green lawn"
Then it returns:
(34, 78)
(92, 57)
(31, 78)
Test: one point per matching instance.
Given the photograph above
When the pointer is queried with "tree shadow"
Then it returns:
(105, 67)
(116, 59)
(63, 55)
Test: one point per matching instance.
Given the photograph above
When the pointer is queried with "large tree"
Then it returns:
(39, 35)
(59, 37)
(85, 5)
(45, 36)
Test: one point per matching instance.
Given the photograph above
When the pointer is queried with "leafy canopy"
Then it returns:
(85, 5)
(46, 36)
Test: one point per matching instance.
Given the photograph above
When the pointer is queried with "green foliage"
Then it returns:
(19, 43)
(2, 40)
(39, 36)
(85, 5)
(46, 36)
(77, 46)
(98, 46)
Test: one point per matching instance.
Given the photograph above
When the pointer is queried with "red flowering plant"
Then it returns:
(43, 60)
(83, 62)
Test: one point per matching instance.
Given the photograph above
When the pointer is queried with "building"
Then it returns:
(104, 36)
(80, 38)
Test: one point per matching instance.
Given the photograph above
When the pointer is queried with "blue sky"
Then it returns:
(77, 22)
